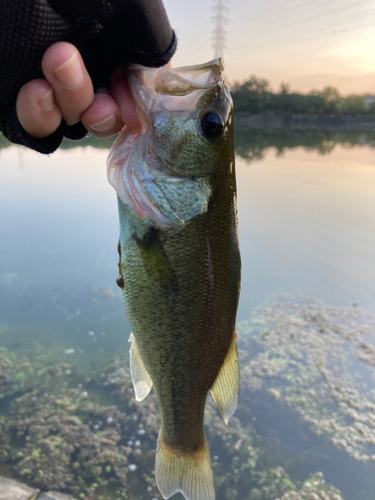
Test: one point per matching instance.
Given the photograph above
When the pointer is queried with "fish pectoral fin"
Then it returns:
(190, 473)
(141, 379)
(155, 259)
(225, 388)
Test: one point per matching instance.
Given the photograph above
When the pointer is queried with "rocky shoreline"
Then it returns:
(13, 490)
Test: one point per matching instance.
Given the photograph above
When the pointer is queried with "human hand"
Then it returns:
(68, 93)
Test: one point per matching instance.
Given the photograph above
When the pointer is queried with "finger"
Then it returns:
(37, 109)
(102, 118)
(120, 91)
(64, 69)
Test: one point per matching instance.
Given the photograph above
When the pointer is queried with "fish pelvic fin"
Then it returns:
(225, 387)
(189, 473)
(141, 379)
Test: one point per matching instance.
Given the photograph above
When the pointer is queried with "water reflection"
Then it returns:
(251, 144)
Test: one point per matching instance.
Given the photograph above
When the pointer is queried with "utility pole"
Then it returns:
(219, 33)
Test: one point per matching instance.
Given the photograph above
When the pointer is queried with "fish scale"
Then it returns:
(181, 280)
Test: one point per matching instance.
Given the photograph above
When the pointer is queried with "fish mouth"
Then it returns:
(183, 80)
(153, 87)
(140, 176)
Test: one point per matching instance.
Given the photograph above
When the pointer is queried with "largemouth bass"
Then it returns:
(179, 259)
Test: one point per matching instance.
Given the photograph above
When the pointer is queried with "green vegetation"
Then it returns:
(254, 96)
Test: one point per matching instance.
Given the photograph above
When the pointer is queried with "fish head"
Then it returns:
(164, 167)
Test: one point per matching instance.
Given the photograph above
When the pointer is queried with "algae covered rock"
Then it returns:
(318, 361)
(314, 488)
(84, 435)
(20, 372)
(69, 439)
(53, 447)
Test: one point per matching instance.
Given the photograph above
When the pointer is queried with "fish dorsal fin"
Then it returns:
(225, 388)
(141, 379)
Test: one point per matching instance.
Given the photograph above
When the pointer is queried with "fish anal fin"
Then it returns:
(225, 387)
(141, 379)
(190, 473)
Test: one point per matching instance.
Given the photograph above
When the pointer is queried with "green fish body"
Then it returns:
(179, 260)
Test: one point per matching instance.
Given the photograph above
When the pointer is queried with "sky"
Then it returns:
(307, 43)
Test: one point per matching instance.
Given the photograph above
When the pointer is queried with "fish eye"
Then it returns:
(212, 124)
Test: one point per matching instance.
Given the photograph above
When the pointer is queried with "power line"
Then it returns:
(281, 6)
(307, 35)
(289, 35)
(300, 16)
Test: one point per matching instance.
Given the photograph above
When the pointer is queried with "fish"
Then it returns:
(179, 264)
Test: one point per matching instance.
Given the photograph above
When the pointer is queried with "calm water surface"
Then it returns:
(307, 224)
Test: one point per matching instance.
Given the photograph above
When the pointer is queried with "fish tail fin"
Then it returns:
(188, 472)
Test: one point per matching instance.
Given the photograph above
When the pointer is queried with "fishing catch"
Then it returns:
(179, 259)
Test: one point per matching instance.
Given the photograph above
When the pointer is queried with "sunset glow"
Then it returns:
(309, 45)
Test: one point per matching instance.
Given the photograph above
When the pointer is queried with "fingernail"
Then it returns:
(46, 102)
(70, 73)
(104, 125)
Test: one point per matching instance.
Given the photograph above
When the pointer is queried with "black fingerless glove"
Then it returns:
(106, 32)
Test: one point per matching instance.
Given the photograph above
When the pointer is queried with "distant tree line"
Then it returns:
(255, 96)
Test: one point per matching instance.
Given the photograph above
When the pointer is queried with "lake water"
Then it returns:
(307, 229)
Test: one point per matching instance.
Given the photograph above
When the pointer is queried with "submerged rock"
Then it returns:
(12, 490)
(54, 495)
